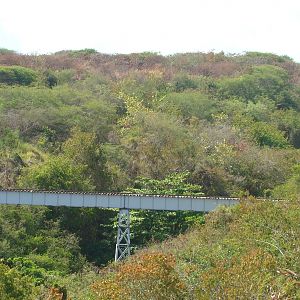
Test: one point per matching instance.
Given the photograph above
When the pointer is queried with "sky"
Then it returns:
(164, 26)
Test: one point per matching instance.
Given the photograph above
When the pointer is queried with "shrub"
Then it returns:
(4, 51)
(27, 267)
(265, 134)
(57, 173)
(290, 189)
(266, 80)
(184, 82)
(82, 52)
(250, 277)
(50, 79)
(14, 286)
(17, 75)
(148, 276)
(190, 104)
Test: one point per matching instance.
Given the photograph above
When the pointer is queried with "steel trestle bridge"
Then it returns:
(123, 202)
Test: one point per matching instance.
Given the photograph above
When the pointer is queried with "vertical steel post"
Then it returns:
(123, 238)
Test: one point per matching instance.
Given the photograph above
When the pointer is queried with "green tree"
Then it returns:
(158, 143)
(173, 184)
(27, 232)
(56, 173)
(148, 226)
(85, 152)
(80, 167)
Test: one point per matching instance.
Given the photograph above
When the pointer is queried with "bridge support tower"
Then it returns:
(123, 238)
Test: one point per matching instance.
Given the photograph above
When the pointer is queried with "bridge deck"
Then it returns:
(113, 200)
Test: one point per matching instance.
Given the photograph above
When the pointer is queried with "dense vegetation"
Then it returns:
(196, 123)
(250, 251)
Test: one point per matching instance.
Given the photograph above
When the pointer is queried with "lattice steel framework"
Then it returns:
(123, 238)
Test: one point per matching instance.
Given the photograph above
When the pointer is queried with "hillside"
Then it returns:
(194, 123)
(247, 252)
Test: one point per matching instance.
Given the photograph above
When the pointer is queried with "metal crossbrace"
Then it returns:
(123, 238)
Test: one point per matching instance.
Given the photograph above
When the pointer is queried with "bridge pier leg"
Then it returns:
(123, 238)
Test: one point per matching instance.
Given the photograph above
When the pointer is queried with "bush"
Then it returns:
(27, 267)
(50, 79)
(58, 173)
(149, 276)
(14, 286)
(290, 189)
(17, 75)
(190, 104)
(31, 242)
(262, 81)
(257, 269)
(265, 134)
(82, 52)
(4, 51)
(184, 82)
